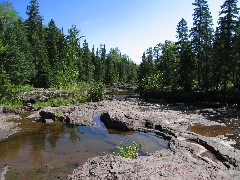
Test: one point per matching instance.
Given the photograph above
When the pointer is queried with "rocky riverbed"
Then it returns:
(8, 128)
(192, 153)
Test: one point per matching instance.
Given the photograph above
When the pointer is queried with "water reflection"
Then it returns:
(35, 136)
(120, 95)
(55, 145)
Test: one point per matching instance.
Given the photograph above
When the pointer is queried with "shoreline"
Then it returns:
(185, 147)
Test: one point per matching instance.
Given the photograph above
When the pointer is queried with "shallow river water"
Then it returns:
(52, 151)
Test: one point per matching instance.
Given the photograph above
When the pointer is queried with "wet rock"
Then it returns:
(3, 171)
(47, 115)
(8, 128)
(49, 121)
(167, 121)
(7, 110)
(113, 123)
(67, 120)
(30, 107)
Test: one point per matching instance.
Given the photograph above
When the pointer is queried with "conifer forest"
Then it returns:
(203, 59)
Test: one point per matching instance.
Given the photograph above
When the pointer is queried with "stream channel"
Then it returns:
(52, 151)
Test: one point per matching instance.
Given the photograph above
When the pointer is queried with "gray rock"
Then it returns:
(160, 165)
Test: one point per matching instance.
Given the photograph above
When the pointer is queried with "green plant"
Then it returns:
(54, 102)
(81, 99)
(58, 114)
(128, 151)
(96, 91)
(11, 95)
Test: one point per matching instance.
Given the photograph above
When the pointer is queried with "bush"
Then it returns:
(128, 151)
(96, 91)
(54, 102)
(11, 95)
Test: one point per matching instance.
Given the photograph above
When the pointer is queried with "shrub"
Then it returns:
(96, 91)
(58, 114)
(54, 102)
(128, 151)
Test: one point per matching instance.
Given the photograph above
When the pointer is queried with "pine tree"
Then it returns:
(88, 68)
(16, 60)
(122, 69)
(226, 31)
(236, 52)
(53, 35)
(73, 64)
(202, 35)
(146, 67)
(169, 66)
(102, 67)
(19, 63)
(36, 36)
(185, 59)
(111, 76)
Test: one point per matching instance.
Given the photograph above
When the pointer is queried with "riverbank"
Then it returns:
(8, 128)
(207, 156)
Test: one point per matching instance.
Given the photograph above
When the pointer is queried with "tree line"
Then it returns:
(32, 53)
(202, 59)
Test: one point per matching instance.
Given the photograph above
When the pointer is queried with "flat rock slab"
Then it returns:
(189, 160)
(160, 165)
(8, 128)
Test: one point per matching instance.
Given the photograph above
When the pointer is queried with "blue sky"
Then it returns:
(131, 25)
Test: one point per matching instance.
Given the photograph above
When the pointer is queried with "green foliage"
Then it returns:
(96, 91)
(198, 61)
(81, 99)
(78, 88)
(54, 102)
(36, 36)
(185, 57)
(128, 151)
(11, 95)
(153, 82)
(58, 114)
(201, 40)
(226, 51)
(8, 17)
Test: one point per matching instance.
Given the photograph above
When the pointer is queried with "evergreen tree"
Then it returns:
(88, 68)
(157, 53)
(54, 36)
(18, 61)
(122, 69)
(146, 67)
(36, 36)
(185, 59)
(169, 66)
(73, 66)
(202, 35)
(102, 67)
(236, 52)
(97, 64)
(226, 31)
(111, 67)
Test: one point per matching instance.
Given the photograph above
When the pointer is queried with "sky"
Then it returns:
(131, 25)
